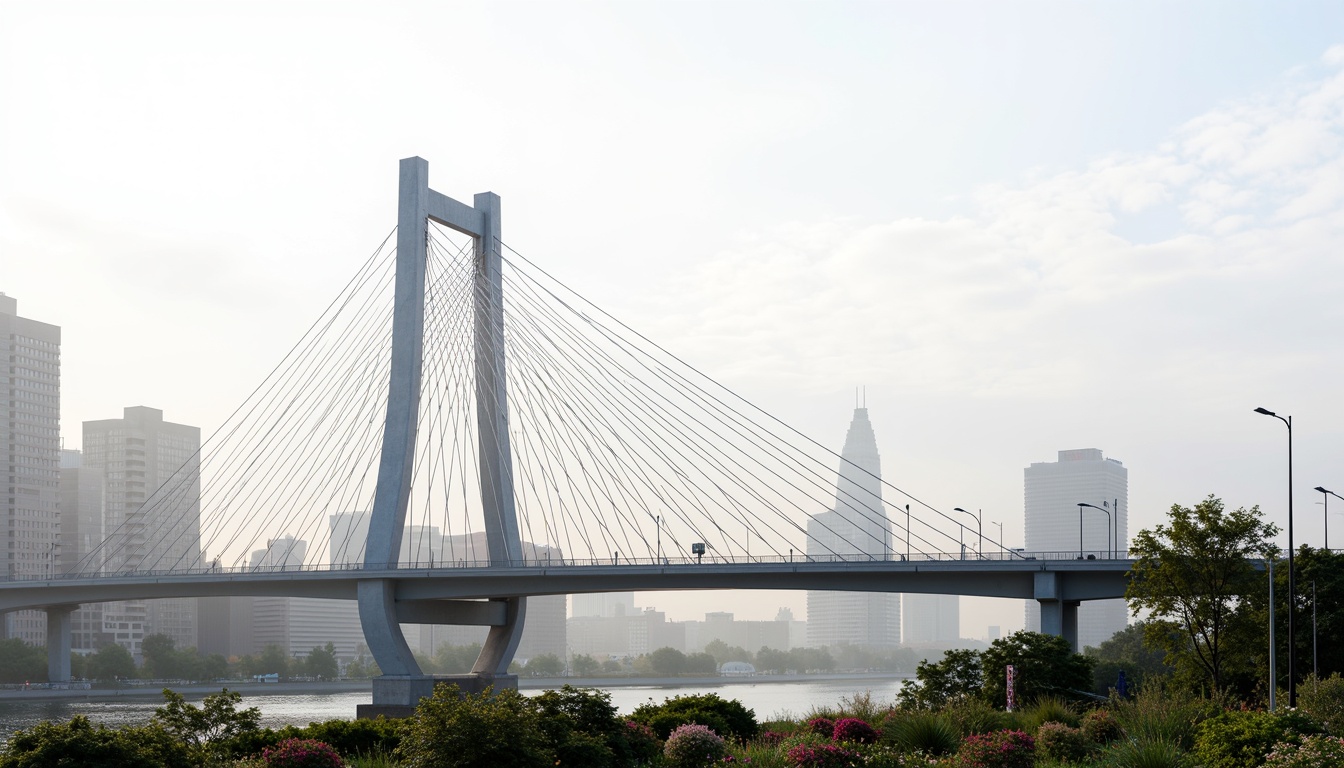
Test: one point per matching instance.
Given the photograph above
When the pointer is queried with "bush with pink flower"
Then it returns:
(301, 753)
(855, 730)
(997, 749)
(1314, 752)
(823, 756)
(693, 746)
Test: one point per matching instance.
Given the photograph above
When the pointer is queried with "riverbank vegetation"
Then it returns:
(1162, 725)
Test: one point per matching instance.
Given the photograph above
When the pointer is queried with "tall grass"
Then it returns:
(1156, 715)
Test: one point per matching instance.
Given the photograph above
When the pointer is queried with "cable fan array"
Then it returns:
(620, 451)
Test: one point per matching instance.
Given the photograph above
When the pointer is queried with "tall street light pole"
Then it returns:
(1292, 582)
(1327, 496)
(1110, 548)
(979, 529)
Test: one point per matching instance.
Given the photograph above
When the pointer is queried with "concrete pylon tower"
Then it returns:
(381, 611)
(855, 528)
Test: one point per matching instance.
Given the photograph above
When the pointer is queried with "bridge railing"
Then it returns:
(710, 558)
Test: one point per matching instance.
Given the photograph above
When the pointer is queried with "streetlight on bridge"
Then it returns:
(1110, 546)
(1327, 495)
(1292, 581)
(980, 530)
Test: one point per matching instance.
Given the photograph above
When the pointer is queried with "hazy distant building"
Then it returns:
(1053, 491)
(81, 534)
(857, 526)
(603, 604)
(30, 438)
(626, 635)
(152, 502)
(931, 620)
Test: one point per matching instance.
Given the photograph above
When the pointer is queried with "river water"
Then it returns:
(770, 700)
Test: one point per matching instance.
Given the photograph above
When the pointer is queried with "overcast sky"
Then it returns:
(1024, 227)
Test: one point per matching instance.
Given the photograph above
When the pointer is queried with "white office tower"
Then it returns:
(30, 438)
(152, 499)
(1053, 492)
(857, 527)
(81, 533)
(931, 620)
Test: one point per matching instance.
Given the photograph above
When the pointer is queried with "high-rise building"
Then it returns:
(1055, 523)
(30, 441)
(81, 533)
(856, 526)
(152, 498)
(931, 620)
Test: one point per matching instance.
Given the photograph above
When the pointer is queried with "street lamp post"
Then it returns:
(1327, 495)
(979, 530)
(907, 531)
(1292, 581)
(1110, 547)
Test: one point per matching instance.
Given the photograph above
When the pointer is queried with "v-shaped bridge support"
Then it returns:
(402, 682)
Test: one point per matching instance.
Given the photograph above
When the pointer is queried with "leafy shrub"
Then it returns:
(1000, 749)
(922, 732)
(582, 728)
(1324, 700)
(483, 730)
(1314, 752)
(1058, 741)
(693, 746)
(822, 726)
(1101, 727)
(822, 756)
(301, 753)
(643, 742)
(726, 717)
(855, 730)
(79, 743)
(1239, 739)
(348, 737)
(1145, 753)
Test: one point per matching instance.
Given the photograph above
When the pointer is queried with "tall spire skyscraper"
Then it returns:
(856, 527)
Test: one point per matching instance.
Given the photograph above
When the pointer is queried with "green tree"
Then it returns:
(273, 660)
(21, 662)
(1044, 665)
(1126, 650)
(156, 653)
(700, 664)
(584, 665)
(544, 665)
(206, 729)
(321, 663)
(667, 662)
(959, 673)
(111, 662)
(1194, 576)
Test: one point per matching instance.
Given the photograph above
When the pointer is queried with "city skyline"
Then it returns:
(1018, 232)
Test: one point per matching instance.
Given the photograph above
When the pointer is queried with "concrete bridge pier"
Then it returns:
(1059, 617)
(58, 642)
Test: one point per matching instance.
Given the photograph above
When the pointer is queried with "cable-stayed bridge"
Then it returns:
(459, 431)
